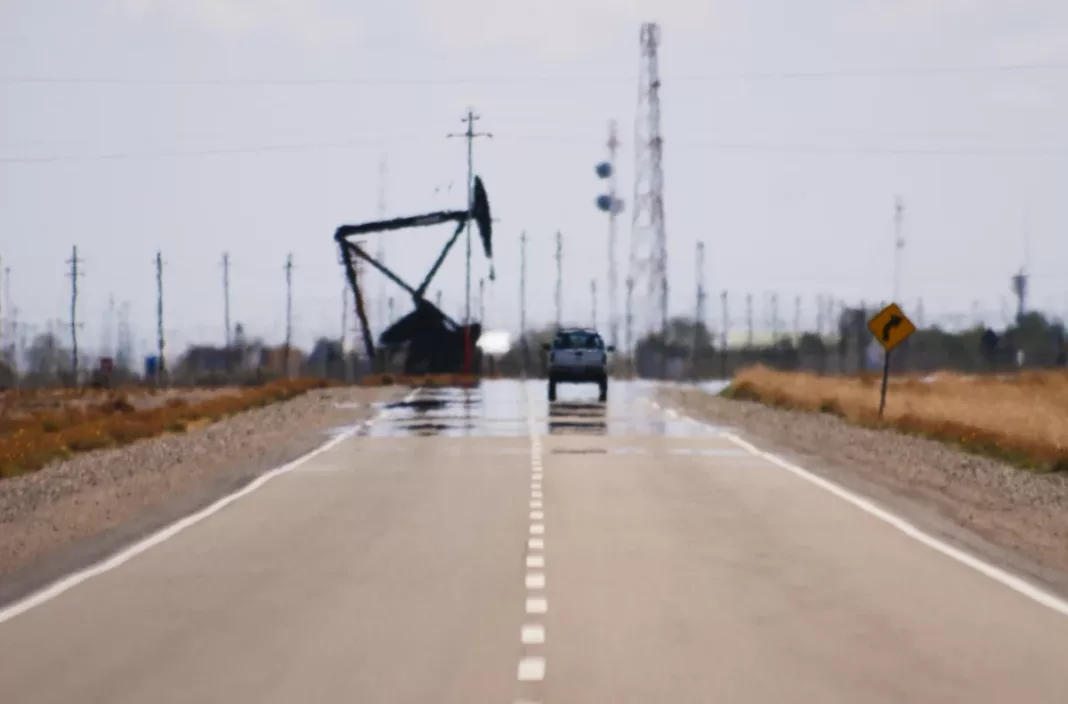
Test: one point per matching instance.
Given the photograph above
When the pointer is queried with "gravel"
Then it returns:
(75, 511)
(1012, 516)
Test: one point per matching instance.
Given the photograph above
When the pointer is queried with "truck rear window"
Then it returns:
(577, 340)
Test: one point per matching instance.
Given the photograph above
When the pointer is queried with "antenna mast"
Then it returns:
(74, 274)
(899, 244)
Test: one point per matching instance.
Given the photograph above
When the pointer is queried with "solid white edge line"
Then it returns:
(1007, 579)
(67, 583)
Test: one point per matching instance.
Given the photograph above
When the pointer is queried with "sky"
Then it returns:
(256, 127)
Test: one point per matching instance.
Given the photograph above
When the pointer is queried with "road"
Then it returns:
(478, 547)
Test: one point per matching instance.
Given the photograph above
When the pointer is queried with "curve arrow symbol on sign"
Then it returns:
(894, 321)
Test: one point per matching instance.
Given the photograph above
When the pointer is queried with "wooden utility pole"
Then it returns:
(161, 369)
(74, 274)
(289, 315)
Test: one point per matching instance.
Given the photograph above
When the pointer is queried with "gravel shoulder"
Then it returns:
(1012, 517)
(73, 513)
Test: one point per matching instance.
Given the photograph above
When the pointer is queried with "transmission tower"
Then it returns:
(648, 237)
(559, 275)
(74, 274)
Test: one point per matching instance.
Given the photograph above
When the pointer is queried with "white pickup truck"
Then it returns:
(578, 356)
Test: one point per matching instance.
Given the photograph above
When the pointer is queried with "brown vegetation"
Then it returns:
(38, 427)
(1021, 418)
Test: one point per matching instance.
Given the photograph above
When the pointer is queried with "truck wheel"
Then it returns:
(603, 386)
(552, 391)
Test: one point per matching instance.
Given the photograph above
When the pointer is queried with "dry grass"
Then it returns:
(1022, 419)
(36, 428)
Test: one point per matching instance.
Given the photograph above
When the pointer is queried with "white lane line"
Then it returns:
(537, 605)
(67, 583)
(537, 529)
(535, 580)
(1009, 580)
(536, 494)
(532, 634)
(537, 515)
(536, 544)
(535, 503)
(536, 561)
(531, 669)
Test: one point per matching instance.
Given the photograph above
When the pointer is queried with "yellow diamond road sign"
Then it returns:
(891, 327)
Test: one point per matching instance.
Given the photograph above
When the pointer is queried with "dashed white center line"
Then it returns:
(537, 605)
(533, 634)
(531, 669)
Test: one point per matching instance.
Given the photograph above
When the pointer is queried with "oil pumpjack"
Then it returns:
(435, 343)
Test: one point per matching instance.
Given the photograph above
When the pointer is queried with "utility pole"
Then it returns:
(74, 274)
(437, 298)
(774, 319)
(389, 307)
(593, 299)
(380, 254)
(726, 339)
(699, 312)
(289, 315)
(226, 297)
(161, 369)
(797, 320)
(631, 352)
(559, 275)
(899, 243)
(749, 319)
(819, 315)
(482, 301)
(524, 346)
(470, 136)
(1, 312)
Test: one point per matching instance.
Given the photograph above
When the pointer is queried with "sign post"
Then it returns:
(890, 327)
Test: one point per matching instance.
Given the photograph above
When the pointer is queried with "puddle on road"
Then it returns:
(500, 408)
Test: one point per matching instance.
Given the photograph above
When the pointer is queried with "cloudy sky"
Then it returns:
(257, 126)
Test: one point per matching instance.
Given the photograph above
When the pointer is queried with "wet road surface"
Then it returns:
(487, 546)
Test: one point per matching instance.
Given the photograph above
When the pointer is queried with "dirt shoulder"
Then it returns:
(1010, 516)
(72, 513)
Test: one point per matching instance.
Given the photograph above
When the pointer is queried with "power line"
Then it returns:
(756, 148)
(561, 79)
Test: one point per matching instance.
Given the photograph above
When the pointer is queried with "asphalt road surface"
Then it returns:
(481, 547)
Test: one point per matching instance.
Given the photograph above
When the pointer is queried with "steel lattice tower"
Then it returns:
(648, 246)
